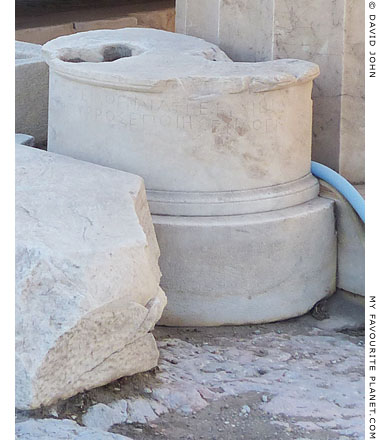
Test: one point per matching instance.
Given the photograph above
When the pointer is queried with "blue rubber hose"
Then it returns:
(342, 185)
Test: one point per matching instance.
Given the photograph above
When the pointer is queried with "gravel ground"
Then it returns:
(298, 379)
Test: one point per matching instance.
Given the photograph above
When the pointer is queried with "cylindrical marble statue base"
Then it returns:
(224, 149)
(249, 268)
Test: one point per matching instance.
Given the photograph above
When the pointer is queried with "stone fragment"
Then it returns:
(140, 411)
(182, 398)
(245, 409)
(344, 311)
(87, 278)
(101, 416)
(32, 91)
(134, 410)
(351, 242)
(53, 429)
(24, 139)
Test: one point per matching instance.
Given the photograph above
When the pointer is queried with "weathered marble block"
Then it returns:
(87, 278)
(32, 91)
(351, 242)
(329, 33)
(216, 143)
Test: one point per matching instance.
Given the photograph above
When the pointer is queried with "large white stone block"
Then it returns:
(87, 277)
(325, 32)
(32, 91)
(351, 242)
(215, 141)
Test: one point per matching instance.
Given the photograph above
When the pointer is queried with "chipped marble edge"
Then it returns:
(27, 53)
(221, 73)
(255, 82)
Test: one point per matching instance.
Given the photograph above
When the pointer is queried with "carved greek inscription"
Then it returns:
(136, 113)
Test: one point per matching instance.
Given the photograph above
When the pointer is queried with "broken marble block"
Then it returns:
(87, 277)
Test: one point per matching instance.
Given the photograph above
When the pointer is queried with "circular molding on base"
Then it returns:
(252, 201)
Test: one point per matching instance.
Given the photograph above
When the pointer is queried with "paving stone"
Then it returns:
(53, 429)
